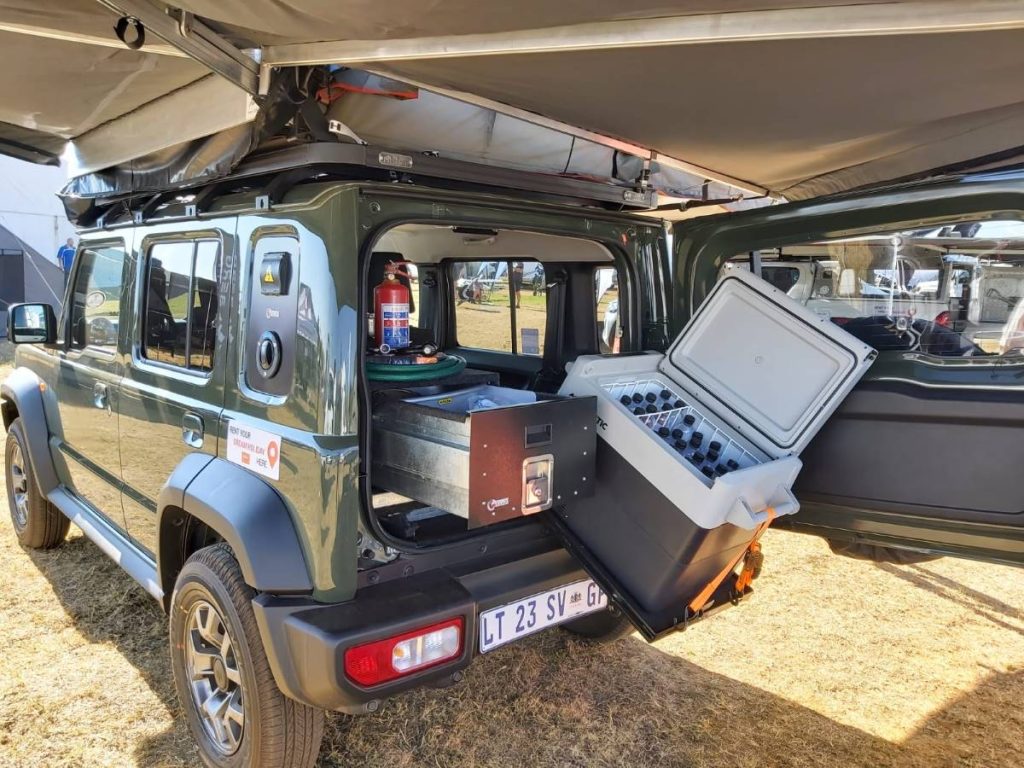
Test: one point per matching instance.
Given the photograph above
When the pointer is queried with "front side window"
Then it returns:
(96, 298)
(951, 291)
(500, 305)
(181, 304)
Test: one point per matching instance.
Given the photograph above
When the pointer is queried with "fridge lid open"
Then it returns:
(764, 363)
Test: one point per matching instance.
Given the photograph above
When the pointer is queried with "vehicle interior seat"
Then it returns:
(160, 325)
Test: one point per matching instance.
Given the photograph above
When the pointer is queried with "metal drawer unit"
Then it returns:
(486, 453)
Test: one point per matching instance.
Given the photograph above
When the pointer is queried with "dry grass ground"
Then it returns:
(833, 663)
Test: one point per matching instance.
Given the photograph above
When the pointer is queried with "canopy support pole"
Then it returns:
(194, 39)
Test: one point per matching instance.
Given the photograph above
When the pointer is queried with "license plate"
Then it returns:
(532, 614)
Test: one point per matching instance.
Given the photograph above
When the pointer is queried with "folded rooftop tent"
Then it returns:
(793, 99)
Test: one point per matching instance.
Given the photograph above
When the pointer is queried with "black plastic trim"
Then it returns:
(909, 528)
(243, 509)
(306, 641)
(21, 387)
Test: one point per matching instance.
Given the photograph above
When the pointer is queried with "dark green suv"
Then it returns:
(207, 407)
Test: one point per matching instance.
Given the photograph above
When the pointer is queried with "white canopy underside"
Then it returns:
(789, 98)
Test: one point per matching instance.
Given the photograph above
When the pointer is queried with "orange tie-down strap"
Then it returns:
(747, 575)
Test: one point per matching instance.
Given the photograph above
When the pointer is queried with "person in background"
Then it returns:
(66, 256)
(517, 280)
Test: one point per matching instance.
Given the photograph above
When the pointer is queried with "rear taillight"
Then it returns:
(944, 319)
(391, 658)
(841, 320)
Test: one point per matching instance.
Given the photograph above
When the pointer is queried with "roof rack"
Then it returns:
(274, 173)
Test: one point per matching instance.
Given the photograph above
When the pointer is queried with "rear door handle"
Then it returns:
(100, 395)
(192, 430)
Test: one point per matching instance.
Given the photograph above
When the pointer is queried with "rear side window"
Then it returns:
(96, 298)
(179, 325)
(951, 291)
(500, 305)
(783, 278)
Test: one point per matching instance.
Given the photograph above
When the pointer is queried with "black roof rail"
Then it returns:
(275, 172)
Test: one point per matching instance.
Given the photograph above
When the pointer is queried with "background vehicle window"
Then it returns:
(783, 278)
(950, 291)
(606, 298)
(96, 299)
(181, 304)
(500, 305)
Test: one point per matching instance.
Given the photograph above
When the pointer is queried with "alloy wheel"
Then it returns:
(19, 486)
(214, 677)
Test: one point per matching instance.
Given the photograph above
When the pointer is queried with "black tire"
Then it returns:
(878, 554)
(37, 523)
(600, 627)
(276, 732)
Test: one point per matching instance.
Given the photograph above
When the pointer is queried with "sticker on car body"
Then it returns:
(254, 449)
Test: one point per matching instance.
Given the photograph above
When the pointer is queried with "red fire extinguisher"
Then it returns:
(391, 310)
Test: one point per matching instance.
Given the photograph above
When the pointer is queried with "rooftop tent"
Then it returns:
(793, 99)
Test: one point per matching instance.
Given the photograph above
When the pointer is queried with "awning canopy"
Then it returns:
(794, 99)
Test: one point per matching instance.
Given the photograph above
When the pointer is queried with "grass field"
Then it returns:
(833, 662)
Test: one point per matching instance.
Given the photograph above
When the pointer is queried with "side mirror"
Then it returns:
(31, 324)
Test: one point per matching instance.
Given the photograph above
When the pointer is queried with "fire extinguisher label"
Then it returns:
(394, 322)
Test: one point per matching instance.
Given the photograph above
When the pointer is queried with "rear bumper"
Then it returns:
(305, 641)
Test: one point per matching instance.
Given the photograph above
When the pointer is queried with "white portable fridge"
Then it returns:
(698, 444)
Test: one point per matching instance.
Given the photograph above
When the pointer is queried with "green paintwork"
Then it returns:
(336, 225)
(319, 419)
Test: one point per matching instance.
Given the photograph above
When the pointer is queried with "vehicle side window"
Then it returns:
(783, 278)
(606, 306)
(181, 303)
(96, 298)
(949, 291)
(500, 305)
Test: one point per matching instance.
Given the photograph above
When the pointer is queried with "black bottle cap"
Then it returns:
(712, 455)
(651, 408)
(715, 445)
(639, 411)
(625, 400)
(721, 469)
(688, 419)
(650, 397)
(698, 457)
(680, 445)
(637, 397)
(732, 464)
(677, 433)
(665, 394)
(666, 407)
(680, 404)
(708, 471)
(663, 431)
(696, 439)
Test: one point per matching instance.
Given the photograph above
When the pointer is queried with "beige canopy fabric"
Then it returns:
(796, 116)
